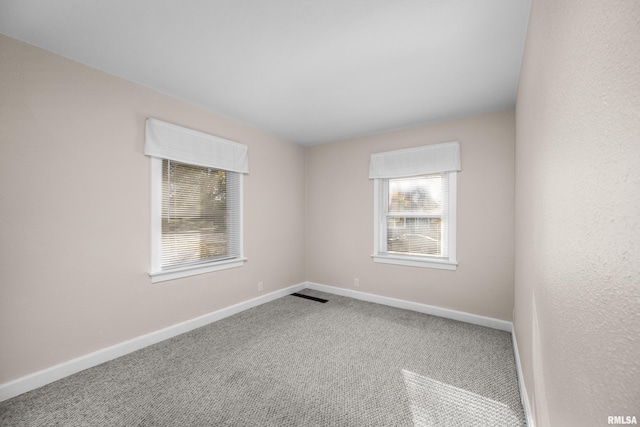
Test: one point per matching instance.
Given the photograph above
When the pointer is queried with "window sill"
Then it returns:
(177, 273)
(412, 261)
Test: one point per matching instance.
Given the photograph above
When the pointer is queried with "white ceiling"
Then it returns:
(309, 71)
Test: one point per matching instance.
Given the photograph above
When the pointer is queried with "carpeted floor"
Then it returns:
(296, 362)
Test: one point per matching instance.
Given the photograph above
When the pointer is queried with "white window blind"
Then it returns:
(168, 141)
(200, 215)
(415, 214)
(423, 160)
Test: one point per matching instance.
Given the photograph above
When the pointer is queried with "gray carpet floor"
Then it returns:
(295, 362)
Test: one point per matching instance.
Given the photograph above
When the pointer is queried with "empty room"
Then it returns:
(320, 213)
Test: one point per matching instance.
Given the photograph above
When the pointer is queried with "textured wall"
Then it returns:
(577, 294)
(340, 218)
(74, 229)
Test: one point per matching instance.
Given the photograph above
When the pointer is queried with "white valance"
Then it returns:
(423, 160)
(172, 142)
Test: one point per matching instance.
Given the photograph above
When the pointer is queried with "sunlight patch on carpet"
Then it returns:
(434, 403)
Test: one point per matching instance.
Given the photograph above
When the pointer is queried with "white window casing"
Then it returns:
(170, 143)
(441, 161)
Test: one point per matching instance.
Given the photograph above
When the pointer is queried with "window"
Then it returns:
(415, 213)
(196, 201)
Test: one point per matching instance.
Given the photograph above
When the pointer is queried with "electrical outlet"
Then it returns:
(356, 282)
(260, 287)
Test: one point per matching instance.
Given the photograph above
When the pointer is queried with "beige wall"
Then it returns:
(340, 218)
(577, 271)
(74, 227)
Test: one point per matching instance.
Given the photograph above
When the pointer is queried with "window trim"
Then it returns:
(156, 272)
(449, 263)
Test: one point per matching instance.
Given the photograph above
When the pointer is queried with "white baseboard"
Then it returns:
(475, 319)
(54, 373)
(524, 397)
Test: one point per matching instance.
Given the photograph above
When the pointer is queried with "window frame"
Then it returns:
(156, 273)
(381, 255)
